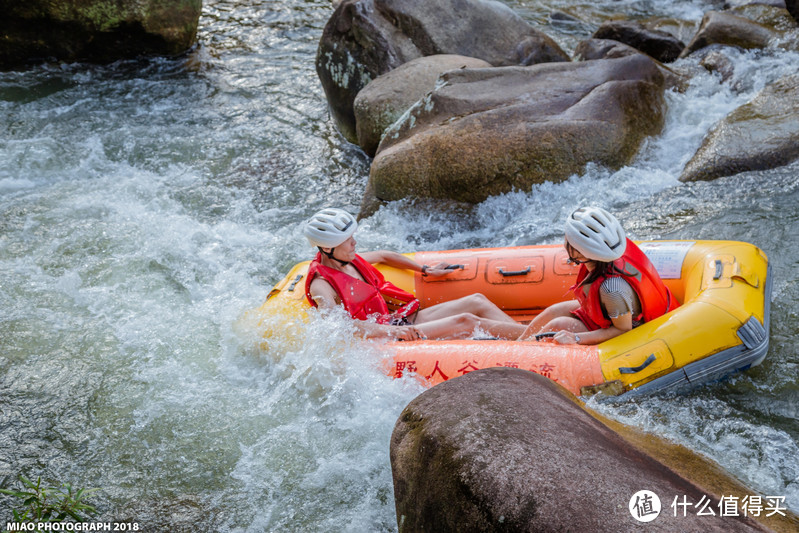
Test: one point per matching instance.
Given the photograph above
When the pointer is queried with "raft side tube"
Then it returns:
(754, 337)
(722, 328)
(572, 366)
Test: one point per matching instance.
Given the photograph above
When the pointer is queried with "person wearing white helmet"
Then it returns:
(340, 277)
(617, 286)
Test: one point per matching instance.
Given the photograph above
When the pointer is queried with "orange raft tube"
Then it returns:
(721, 327)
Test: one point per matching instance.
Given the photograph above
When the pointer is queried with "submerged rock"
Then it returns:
(658, 44)
(366, 38)
(483, 132)
(715, 60)
(94, 30)
(504, 449)
(386, 98)
(759, 135)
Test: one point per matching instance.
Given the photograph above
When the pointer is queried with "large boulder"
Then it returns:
(483, 132)
(759, 135)
(504, 449)
(722, 27)
(94, 30)
(658, 44)
(366, 38)
(388, 96)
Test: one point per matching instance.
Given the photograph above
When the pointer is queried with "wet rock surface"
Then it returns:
(494, 127)
(761, 134)
(610, 49)
(658, 44)
(721, 27)
(366, 38)
(715, 60)
(793, 8)
(386, 98)
(503, 449)
(94, 30)
(483, 132)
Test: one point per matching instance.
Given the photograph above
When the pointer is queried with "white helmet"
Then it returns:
(596, 234)
(330, 227)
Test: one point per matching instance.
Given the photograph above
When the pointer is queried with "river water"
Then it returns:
(145, 205)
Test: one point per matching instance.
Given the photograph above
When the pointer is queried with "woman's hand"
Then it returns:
(439, 269)
(566, 337)
(407, 333)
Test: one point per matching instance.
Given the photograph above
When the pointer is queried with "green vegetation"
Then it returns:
(49, 504)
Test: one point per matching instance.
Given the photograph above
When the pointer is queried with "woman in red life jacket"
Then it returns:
(339, 276)
(617, 286)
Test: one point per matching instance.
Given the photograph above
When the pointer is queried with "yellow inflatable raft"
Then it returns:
(721, 327)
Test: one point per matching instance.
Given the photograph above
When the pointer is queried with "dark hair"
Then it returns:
(602, 268)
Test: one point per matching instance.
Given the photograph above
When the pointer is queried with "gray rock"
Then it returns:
(366, 38)
(783, 26)
(793, 8)
(594, 48)
(504, 449)
(568, 23)
(387, 97)
(715, 60)
(738, 3)
(608, 49)
(759, 135)
(94, 30)
(483, 132)
(726, 28)
(777, 19)
(658, 44)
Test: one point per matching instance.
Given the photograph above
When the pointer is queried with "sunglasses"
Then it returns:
(573, 261)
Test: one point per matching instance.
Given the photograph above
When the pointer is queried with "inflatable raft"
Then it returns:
(720, 328)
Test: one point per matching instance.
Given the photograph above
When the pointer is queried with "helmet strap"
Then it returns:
(330, 255)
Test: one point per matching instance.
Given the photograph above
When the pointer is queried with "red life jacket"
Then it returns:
(637, 270)
(363, 299)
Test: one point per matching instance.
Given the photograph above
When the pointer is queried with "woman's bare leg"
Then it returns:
(554, 311)
(566, 323)
(475, 304)
(463, 325)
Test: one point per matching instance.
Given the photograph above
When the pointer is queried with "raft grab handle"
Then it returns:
(634, 369)
(546, 334)
(515, 272)
(719, 269)
(454, 267)
(294, 282)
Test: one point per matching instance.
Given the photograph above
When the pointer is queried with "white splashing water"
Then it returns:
(145, 207)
